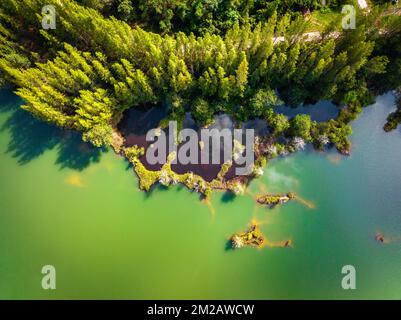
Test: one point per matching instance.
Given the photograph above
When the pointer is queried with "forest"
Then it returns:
(206, 57)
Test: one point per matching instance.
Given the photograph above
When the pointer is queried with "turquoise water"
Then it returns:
(66, 204)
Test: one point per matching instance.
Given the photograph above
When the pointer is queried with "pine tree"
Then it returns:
(241, 75)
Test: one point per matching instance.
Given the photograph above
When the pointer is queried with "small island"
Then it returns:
(251, 238)
(273, 199)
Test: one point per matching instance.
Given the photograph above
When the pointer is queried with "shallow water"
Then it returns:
(66, 204)
(320, 111)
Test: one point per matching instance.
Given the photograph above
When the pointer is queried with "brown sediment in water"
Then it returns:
(262, 187)
(307, 203)
(250, 193)
(334, 158)
(210, 207)
(75, 180)
(282, 244)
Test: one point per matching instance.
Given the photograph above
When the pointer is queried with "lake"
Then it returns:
(66, 204)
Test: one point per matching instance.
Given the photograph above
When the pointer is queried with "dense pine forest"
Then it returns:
(201, 56)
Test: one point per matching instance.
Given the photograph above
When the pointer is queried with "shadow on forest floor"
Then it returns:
(31, 138)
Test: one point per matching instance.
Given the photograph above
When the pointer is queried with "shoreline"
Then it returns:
(201, 178)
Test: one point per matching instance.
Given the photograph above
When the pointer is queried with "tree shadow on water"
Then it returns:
(75, 154)
(156, 187)
(30, 138)
(228, 197)
(229, 245)
(8, 100)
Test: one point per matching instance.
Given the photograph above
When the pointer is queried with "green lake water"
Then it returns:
(65, 204)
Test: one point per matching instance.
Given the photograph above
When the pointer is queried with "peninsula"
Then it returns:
(88, 65)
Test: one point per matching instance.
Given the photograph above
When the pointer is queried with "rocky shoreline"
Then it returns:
(394, 118)
(203, 178)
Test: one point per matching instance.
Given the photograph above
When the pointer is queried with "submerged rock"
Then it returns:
(379, 237)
